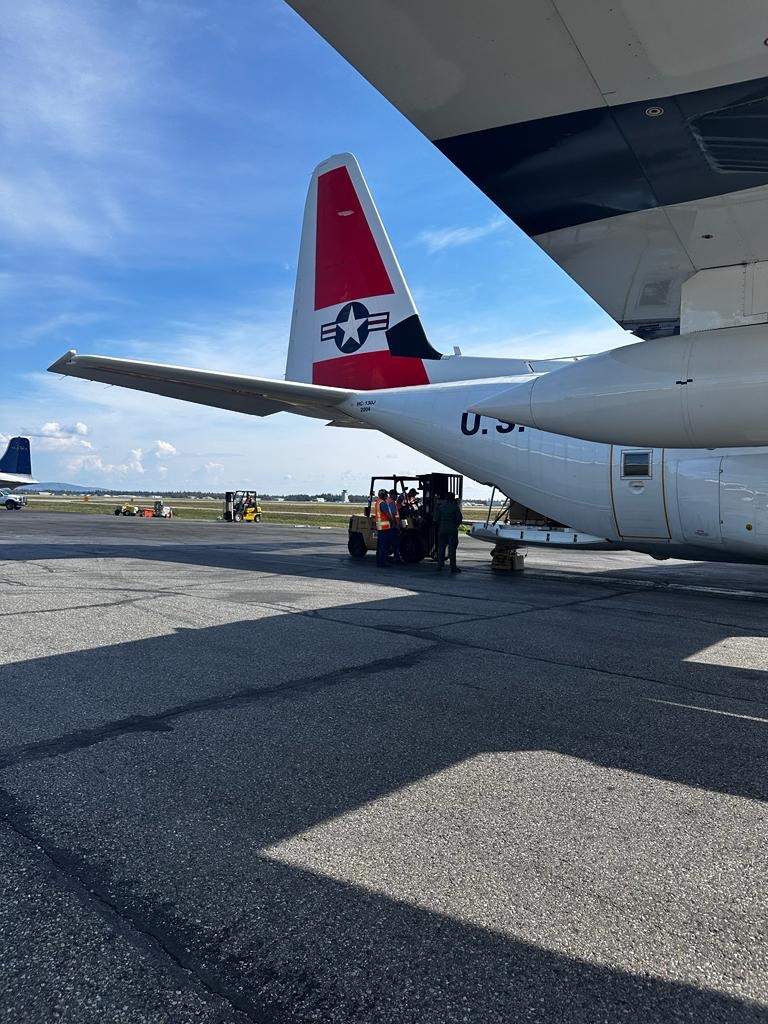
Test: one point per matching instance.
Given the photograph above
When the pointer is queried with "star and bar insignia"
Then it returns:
(352, 326)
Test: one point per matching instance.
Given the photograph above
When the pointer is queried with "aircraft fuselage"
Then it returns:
(683, 503)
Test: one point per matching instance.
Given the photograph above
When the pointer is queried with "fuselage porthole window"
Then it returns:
(635, 464)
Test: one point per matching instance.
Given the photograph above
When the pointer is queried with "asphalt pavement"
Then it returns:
(245, 778)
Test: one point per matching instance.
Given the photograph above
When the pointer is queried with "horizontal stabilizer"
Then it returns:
(253, 395)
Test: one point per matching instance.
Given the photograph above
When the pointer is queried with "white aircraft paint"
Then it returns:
(702, 390)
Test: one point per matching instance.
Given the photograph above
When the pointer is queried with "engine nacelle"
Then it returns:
(703, 390)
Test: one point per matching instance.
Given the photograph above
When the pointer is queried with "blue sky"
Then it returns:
(155, 159)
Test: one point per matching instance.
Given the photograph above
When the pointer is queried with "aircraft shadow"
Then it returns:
(191, 757)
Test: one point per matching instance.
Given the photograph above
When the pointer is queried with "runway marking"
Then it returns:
(689, 588)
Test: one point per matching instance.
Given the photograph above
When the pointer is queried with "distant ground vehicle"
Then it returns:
(418, 534)
(13, 502)
(156, 511)
(242, 507)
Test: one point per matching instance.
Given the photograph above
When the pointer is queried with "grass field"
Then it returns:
(299, 513)
(290, 513)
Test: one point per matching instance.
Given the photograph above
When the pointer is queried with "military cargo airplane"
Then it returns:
(358, 356)
(628, 139)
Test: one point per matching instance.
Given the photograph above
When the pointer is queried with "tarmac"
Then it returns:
(245, 778)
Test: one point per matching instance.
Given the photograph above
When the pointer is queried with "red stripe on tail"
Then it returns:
(369, 370)
(348, 265)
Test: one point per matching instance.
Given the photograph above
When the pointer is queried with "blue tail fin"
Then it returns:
(17, 459)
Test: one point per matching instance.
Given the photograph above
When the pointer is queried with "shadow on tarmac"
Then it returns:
(298, 945)
(363, 733)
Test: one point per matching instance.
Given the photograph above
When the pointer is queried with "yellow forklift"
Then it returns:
(242, 507)
(418, 532)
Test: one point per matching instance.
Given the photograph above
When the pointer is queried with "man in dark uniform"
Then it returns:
(394, 532)
(448, 519)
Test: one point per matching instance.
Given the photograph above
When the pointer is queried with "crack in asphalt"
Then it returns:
(161, 721)
(82, 607)
(82, 879)
(437, 640)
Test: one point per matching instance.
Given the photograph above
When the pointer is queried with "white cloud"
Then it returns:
(52, 436)
(134, 462)
(437, 239)
(164, 449)
(213, 467)
(90, 464)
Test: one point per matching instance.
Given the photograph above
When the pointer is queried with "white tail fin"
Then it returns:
(355, 324)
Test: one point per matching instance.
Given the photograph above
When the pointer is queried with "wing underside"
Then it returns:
(626, 137)
(255, 396)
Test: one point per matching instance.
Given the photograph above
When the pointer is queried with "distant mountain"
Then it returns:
(58, 487)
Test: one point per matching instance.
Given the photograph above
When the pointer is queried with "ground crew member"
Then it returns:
(409, 504)
(394, 533)
(383, 525)
(448, 519)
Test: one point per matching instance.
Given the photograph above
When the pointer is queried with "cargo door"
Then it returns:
(698, 499)
(744, 499)
(637, 489)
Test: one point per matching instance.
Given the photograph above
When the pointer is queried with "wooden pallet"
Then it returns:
(508, 558)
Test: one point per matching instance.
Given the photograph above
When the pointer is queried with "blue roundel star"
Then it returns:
(351, 327)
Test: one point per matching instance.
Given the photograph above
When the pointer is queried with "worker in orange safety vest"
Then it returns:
(382, 519)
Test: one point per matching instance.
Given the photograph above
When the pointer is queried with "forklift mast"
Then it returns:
(432, 487)
(437, 486)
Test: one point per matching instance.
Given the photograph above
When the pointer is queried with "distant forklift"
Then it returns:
(418, 531)
(242, 507)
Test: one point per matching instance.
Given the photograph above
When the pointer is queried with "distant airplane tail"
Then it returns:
(17, 460)
(355, 324)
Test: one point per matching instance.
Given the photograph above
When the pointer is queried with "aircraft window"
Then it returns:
(635, 464)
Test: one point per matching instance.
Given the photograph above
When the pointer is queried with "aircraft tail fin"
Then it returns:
(355, 324)
(17, 460)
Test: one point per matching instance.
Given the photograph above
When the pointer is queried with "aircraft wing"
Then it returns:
(626, 137)
(254, 395)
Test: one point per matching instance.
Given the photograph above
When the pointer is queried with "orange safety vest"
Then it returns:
(381, 517)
